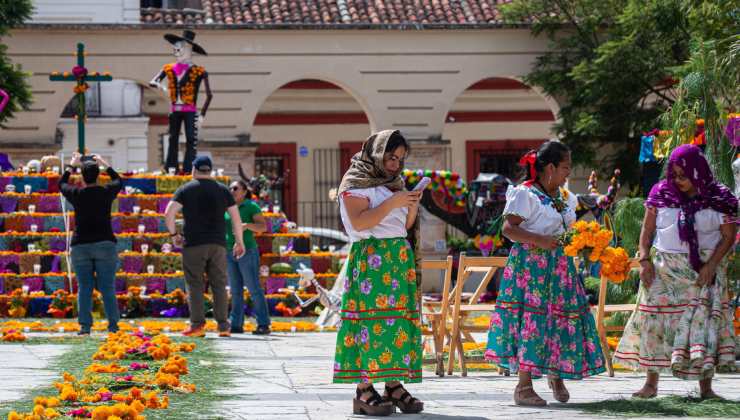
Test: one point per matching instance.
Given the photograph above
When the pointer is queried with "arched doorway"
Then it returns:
(493, 122)
(307, 131)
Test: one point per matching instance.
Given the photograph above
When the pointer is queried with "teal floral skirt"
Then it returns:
(543, 322)
(379, 339)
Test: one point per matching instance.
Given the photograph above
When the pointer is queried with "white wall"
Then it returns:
(121, 141)
(86, 11)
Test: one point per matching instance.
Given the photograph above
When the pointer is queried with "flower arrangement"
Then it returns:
(590, 242)
(18, 301)
(61, 304)
(104, 393)
(176, 297)
(12, 335)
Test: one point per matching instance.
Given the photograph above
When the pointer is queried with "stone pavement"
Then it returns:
(23, 367)
(288, 376)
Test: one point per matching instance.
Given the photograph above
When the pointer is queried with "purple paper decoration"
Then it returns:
(273, 284)
(156, 284)
(133, 263)
(162, 204)
(57, 243)
(126, 204)
(733, 130)
(9, 263)
(35, 284)
(8, 203)
(49, 204)
(151, 224)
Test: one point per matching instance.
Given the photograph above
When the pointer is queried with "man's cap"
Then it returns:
(202, 163)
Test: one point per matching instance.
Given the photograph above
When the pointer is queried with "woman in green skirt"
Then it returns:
(379, 339)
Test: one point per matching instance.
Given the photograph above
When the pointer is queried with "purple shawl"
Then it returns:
(710, 195)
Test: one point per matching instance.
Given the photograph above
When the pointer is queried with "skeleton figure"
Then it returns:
(183, 82)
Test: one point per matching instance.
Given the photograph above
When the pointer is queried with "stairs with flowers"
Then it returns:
(33, 251)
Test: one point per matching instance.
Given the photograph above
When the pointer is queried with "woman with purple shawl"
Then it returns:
(682, 323)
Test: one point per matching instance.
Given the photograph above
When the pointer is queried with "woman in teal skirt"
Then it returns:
(542, 324)
(379, 339)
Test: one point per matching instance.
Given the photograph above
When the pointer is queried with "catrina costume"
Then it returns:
(379, 338)
(542, 323)
(183, 83)
(678, 326)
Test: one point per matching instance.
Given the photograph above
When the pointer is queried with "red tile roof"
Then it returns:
(333, 12)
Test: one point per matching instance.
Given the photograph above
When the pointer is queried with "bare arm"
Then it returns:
(363, 217)
(412, 215)
(173, 207)
(708, 271)
(259, 224)
(236, 225)
(647, 269)
(513, 231)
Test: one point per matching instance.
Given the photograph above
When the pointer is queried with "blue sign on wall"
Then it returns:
(303, 151)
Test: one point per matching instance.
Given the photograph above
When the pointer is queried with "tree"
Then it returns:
(610, 64)
(12, 78)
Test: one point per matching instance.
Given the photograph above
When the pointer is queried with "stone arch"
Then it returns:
(491, 121)
(260, 95)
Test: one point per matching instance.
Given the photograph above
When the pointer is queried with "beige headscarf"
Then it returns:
(367, 169)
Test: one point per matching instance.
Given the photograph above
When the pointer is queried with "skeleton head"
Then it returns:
(183, 51)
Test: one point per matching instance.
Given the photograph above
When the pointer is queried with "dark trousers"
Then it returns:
(191, 136)
(211, 260)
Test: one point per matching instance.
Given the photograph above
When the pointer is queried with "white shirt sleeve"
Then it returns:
(519, 202)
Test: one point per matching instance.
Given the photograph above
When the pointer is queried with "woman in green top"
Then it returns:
(245, 270)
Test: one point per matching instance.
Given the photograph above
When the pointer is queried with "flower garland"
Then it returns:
(187, 91)
(591, 242)
(449, 183)
(116, 391)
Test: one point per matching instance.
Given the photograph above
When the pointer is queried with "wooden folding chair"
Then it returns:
(603, 311)
(438, 312)
(463, 308)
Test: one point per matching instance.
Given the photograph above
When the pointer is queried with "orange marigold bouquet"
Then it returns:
(590, 241)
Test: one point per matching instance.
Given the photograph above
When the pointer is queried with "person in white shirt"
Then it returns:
(682, 324)
(379, 339)
(542, 324)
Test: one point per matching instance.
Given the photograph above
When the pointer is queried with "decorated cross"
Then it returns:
(80, 76)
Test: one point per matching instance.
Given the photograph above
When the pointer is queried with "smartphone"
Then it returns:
(422, 184)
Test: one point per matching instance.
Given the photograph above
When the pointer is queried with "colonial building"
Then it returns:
(298, 85)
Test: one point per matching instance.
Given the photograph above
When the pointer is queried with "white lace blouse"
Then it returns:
(393, 224)
(535, 208)
(707, 223)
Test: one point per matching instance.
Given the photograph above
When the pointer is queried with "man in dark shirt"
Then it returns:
(203, 202)
(94, 255)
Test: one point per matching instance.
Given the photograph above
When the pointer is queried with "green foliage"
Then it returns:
(674, 405)
(616, 293)
(614, 63)
(627, 222)
(12, 78)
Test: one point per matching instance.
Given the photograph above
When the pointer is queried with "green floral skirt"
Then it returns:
(379, 339)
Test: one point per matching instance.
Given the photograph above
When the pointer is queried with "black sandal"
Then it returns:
(407, 403)
(374, 406)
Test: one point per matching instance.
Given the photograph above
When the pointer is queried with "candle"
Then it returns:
(25, 289)
(36, 268)
(31, 247)
(136, 209)
(142, 228)
(55, 169)
(34, 228)
(171, 171)
(144, 248)
(32, 208)
(27, 189)
(150, 269)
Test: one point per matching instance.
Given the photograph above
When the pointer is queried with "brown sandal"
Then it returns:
(374, 406)
(531, 401)
(560, 393)
(407, 403)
